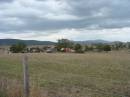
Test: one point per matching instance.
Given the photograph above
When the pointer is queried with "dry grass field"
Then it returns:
(67, 75)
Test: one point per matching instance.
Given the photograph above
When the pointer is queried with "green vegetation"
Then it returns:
(64, 43)
(78, 48)
(107, 48)
(89, 48)
(99, 47)
(69, 75)
(128, 45)
(69, 46)
(18, 48)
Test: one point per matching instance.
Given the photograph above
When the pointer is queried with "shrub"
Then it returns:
(18, 48)
(107, 48)
(100, 47)
(64, 43)
(89, 48)
(78, 48)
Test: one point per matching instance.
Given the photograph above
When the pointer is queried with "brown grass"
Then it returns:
(68, 75)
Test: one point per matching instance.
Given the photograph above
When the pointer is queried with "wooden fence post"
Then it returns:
(26, 76)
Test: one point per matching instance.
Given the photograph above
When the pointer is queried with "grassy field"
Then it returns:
(68, 75)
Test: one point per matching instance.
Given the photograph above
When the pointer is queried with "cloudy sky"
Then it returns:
(72, 19)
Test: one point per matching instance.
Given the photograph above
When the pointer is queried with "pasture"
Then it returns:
(68, 75)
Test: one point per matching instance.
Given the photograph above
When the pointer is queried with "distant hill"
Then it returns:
(27, 42)
(93, 42)
(34, 42)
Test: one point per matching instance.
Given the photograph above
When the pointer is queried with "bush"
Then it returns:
(128, 45)
(18, 48)
(64, 43)
(89, 48)
(100, 47)
(107, 48)
(78, 48)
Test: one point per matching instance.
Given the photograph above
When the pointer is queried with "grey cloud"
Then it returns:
(6, 1)
(106, 14)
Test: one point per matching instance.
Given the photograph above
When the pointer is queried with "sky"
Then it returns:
(50, 20)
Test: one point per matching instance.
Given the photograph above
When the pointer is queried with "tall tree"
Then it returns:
(64, 43)
(99, 47)
(18, 48)
(128, 45)
(88, 48)
(78, 48)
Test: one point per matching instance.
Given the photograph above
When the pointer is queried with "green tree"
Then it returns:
(119, 45)
(78, 48)
(100, 47)
(107, 48)
(18, 48)
(64, 43)
(88, 48)
(128, 45)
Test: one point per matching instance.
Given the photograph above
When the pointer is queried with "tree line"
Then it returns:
(78, 48)
(65, 45)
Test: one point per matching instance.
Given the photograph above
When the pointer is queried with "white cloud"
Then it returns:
(50, 9)
(60, 17)
(12, 21)
(38, 19)
(122, 34)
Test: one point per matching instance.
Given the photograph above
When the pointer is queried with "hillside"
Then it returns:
(35, 42)
(27, 42)
(93, 42)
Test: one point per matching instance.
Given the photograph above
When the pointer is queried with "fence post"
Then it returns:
(26, 76)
